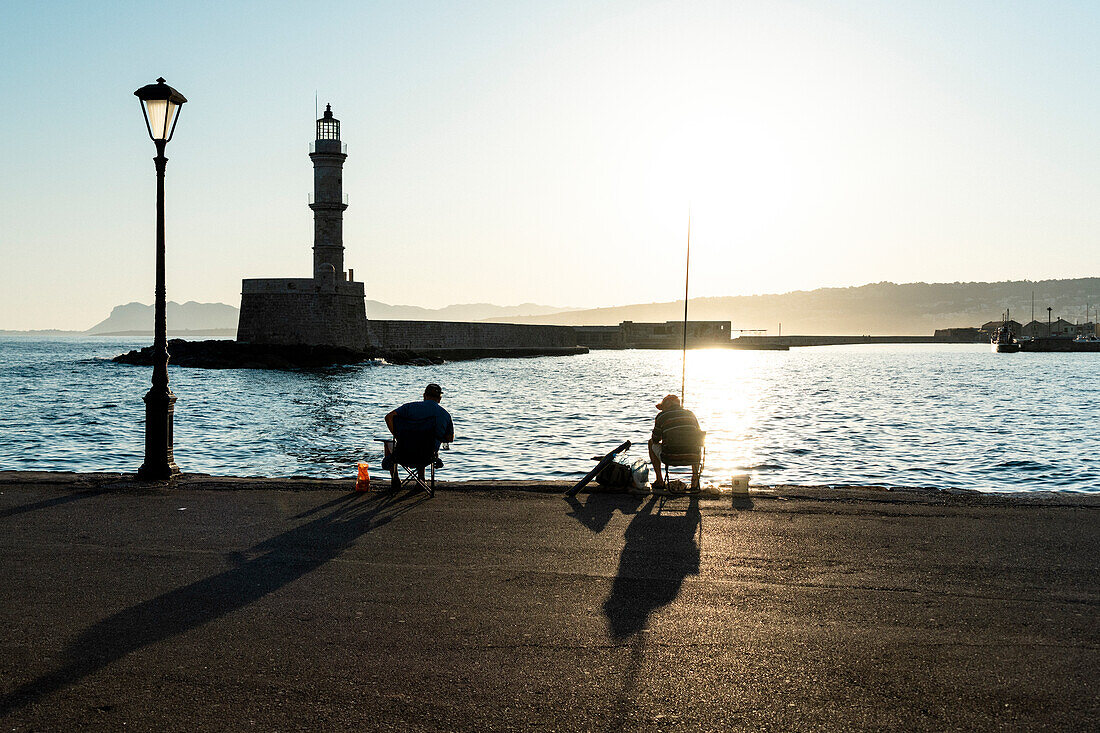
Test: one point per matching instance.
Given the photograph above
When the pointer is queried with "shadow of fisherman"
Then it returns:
(660, 551)
(262, 569)
(598, 509)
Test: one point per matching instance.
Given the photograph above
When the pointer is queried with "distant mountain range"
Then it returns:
(881, 308)
(219, 319)
(462, 313)
(189, 316)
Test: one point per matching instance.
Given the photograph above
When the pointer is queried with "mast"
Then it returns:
(687, 272)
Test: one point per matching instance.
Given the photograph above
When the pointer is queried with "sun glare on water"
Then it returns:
(726, 392)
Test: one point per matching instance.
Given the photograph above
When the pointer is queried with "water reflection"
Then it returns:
(326, 403)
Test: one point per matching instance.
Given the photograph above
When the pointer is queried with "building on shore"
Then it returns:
(600, 337)
(670, 334)
(667, 335)
(967, 335)
(1033, 329)
(327, 309)
(991, 327)
(1061, 328)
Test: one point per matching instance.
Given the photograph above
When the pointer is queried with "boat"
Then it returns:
(1004, 342)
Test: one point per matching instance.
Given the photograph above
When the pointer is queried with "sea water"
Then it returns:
(945, 416)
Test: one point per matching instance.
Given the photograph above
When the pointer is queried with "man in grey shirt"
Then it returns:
(676, 436)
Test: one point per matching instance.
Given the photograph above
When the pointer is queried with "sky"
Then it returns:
(549, 151)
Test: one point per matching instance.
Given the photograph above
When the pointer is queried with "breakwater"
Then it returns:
(222, 354)
(719, 334)
(756, 342)
(1059, 344)
(397, 342)
(442, 337)
(769, 343)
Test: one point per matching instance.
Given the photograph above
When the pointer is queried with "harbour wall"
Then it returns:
(452, 339)
(717, 334)
(756, 342)
(596, 340)
(325, 312)
(1055, 343)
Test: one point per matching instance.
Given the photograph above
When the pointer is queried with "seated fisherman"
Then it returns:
(675, 431)
(425, 420)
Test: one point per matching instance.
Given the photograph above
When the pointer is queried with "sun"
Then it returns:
(737, 182)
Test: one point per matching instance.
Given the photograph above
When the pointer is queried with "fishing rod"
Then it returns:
(687, 273)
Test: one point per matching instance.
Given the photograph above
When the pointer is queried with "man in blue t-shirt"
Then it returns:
(426, 423)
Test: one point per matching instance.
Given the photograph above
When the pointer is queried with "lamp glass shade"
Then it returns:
(161, 114)
(160, 104)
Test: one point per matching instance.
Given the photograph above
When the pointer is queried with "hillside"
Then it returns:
(219, 317)
(464, 313)
(190, 316)
(879, 308)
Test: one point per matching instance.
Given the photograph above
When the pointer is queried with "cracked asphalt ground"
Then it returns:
(264, 608)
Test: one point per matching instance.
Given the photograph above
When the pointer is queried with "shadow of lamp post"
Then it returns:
(160, 104)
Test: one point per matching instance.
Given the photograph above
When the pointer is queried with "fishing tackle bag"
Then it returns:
(615, 476)
(620, 475)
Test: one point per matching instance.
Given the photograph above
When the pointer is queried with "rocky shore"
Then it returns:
(223, 354)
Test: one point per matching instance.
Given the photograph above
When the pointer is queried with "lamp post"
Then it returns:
(1049, 309)
(160, 104)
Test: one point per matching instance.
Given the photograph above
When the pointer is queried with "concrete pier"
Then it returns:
(294, 604)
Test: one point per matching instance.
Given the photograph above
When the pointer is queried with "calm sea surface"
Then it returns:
(904, 415)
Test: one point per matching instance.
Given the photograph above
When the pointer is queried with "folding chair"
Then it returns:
(412, 452)
(689, 453)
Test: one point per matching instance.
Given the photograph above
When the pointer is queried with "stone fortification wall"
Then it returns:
(313, 312)
(758, 341)
(432, 335)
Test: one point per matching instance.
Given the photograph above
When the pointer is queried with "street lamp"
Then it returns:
(160, 104)
(1049, 309)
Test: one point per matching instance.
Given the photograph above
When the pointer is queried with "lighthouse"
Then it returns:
(328, 202)
(327, 309)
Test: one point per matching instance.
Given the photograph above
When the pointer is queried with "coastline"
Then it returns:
(127, 482)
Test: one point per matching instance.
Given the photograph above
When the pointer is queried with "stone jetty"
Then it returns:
(222, 354)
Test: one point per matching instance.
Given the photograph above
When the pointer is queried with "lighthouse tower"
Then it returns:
(328, 308)
(328, 203)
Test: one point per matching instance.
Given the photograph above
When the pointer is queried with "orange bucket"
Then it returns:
(362, 483)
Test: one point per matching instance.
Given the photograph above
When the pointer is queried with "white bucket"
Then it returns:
(740, 484)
